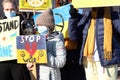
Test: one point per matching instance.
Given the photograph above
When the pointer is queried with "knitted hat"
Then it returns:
(46, 19)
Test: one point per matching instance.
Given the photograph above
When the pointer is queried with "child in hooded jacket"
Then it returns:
(56, 52)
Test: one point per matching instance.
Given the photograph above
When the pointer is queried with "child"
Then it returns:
(56, 52)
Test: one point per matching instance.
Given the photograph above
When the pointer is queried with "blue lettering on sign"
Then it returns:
(5, 51)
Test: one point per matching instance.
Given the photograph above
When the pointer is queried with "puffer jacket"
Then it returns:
(79, 27)
(56, 54)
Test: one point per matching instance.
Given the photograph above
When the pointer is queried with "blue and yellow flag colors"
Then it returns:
(31, 48)
(9, 29)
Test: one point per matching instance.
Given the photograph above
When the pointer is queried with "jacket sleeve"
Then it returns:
(74, 27)
(57, 58)
(116, 19)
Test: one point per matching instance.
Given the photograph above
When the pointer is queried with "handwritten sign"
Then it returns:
(31, 48)
(30, 5)
(95, 3)
(9, 29)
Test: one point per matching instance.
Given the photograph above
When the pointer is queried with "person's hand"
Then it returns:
(29, 66)
(73, 11)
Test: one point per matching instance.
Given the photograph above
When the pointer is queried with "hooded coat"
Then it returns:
(56, 55)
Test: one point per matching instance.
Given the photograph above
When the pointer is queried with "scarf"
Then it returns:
(90, 41)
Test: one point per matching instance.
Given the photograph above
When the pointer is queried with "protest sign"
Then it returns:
(37, 5)
(9, 29)
(95, 3)
(31, 48)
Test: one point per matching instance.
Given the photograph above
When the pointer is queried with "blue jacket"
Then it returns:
(79, 27)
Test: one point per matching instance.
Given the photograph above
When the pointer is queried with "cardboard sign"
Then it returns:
(30, 5)
(31, 48)
(9, 29)
(95, 3)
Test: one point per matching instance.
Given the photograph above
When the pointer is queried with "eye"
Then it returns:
(6, 9)
(12, 9)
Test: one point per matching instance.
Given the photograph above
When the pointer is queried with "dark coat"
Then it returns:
(11, 67)
(79, 27)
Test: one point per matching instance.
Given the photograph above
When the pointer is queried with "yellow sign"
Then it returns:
(28, 5)
(31, 48)
(95, 3)
(9, 29)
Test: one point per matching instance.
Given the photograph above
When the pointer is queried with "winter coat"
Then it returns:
(79, 27)
(56, 54)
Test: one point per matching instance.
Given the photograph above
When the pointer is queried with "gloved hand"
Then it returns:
(73, 11)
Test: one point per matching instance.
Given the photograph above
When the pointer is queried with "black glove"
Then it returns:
(73, 12)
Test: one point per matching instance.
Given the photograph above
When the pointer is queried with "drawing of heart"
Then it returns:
(31, 48)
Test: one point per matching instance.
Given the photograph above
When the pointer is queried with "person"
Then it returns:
(100, 31)
(10, 69)
(56, 51)
(72, 69)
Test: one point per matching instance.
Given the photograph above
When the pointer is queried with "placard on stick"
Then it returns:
(9, 29)
(31, 48)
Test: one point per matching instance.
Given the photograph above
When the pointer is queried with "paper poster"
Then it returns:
(94, 3)
(37, 5)
(31, 48)
(9, 29)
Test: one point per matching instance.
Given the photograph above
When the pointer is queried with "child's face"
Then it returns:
(43, 30)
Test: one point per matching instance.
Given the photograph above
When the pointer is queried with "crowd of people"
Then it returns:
(93, 54)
